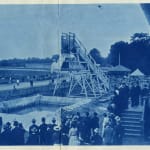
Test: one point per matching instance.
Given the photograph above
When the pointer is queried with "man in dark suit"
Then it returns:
(33, 133)
(17, 134)
(43, 131)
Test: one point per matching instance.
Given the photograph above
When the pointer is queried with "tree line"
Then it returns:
(133, 54)
(16, 62)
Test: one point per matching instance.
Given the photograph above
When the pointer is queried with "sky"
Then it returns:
(35, 30)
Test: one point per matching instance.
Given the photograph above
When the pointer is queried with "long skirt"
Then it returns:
(73, 140)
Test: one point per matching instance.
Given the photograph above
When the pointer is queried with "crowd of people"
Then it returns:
(124, 94)
(79, 129)
(87, 129)
(73, 130)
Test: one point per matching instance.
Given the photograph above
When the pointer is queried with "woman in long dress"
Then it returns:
(74, 135)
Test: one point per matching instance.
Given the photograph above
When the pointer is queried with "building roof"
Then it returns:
(119, 68)
(137, 72)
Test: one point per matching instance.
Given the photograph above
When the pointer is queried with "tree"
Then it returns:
(96, 55)
(139, 37)
(15, 62)
(119, 48)
(135, 54)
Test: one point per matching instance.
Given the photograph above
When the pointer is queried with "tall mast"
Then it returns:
(119, 58)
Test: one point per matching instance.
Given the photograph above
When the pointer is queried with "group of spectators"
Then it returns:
(77, 129)
(73, 130)
(123, 95)
(44, 134)
(92, 129)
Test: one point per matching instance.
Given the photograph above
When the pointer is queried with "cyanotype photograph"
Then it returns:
(75, 74)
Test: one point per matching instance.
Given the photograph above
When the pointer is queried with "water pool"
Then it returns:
(25, 109)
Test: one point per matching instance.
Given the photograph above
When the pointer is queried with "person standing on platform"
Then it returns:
(126, 95)
(117, 101)
(123, 97)
(137, 94)
(133, 94)
(118, 132)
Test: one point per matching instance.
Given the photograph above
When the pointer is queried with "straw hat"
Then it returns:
(96, 130)
(117, 92)
(56, 128)
(117, 118)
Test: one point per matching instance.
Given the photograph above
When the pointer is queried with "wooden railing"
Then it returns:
(92, 64)
(145, 102)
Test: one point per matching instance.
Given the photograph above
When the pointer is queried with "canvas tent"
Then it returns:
(119, 70)
(137, 72)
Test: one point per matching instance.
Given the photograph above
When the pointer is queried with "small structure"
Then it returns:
(117, 74)
(138, 75)
(137, 72)
(119, 70)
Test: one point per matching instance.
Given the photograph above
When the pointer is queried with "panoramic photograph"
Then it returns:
(75, 74)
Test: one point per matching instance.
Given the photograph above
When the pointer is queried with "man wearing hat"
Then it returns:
(95, 121)
(86, 128)
(108, 134)
(6, 136)
(56, 137)
(33, 133)
(96, 139)
(118, 132)
(50, 131)
(43, 131)
(53, 122)
(17, 134)
(144, 94)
